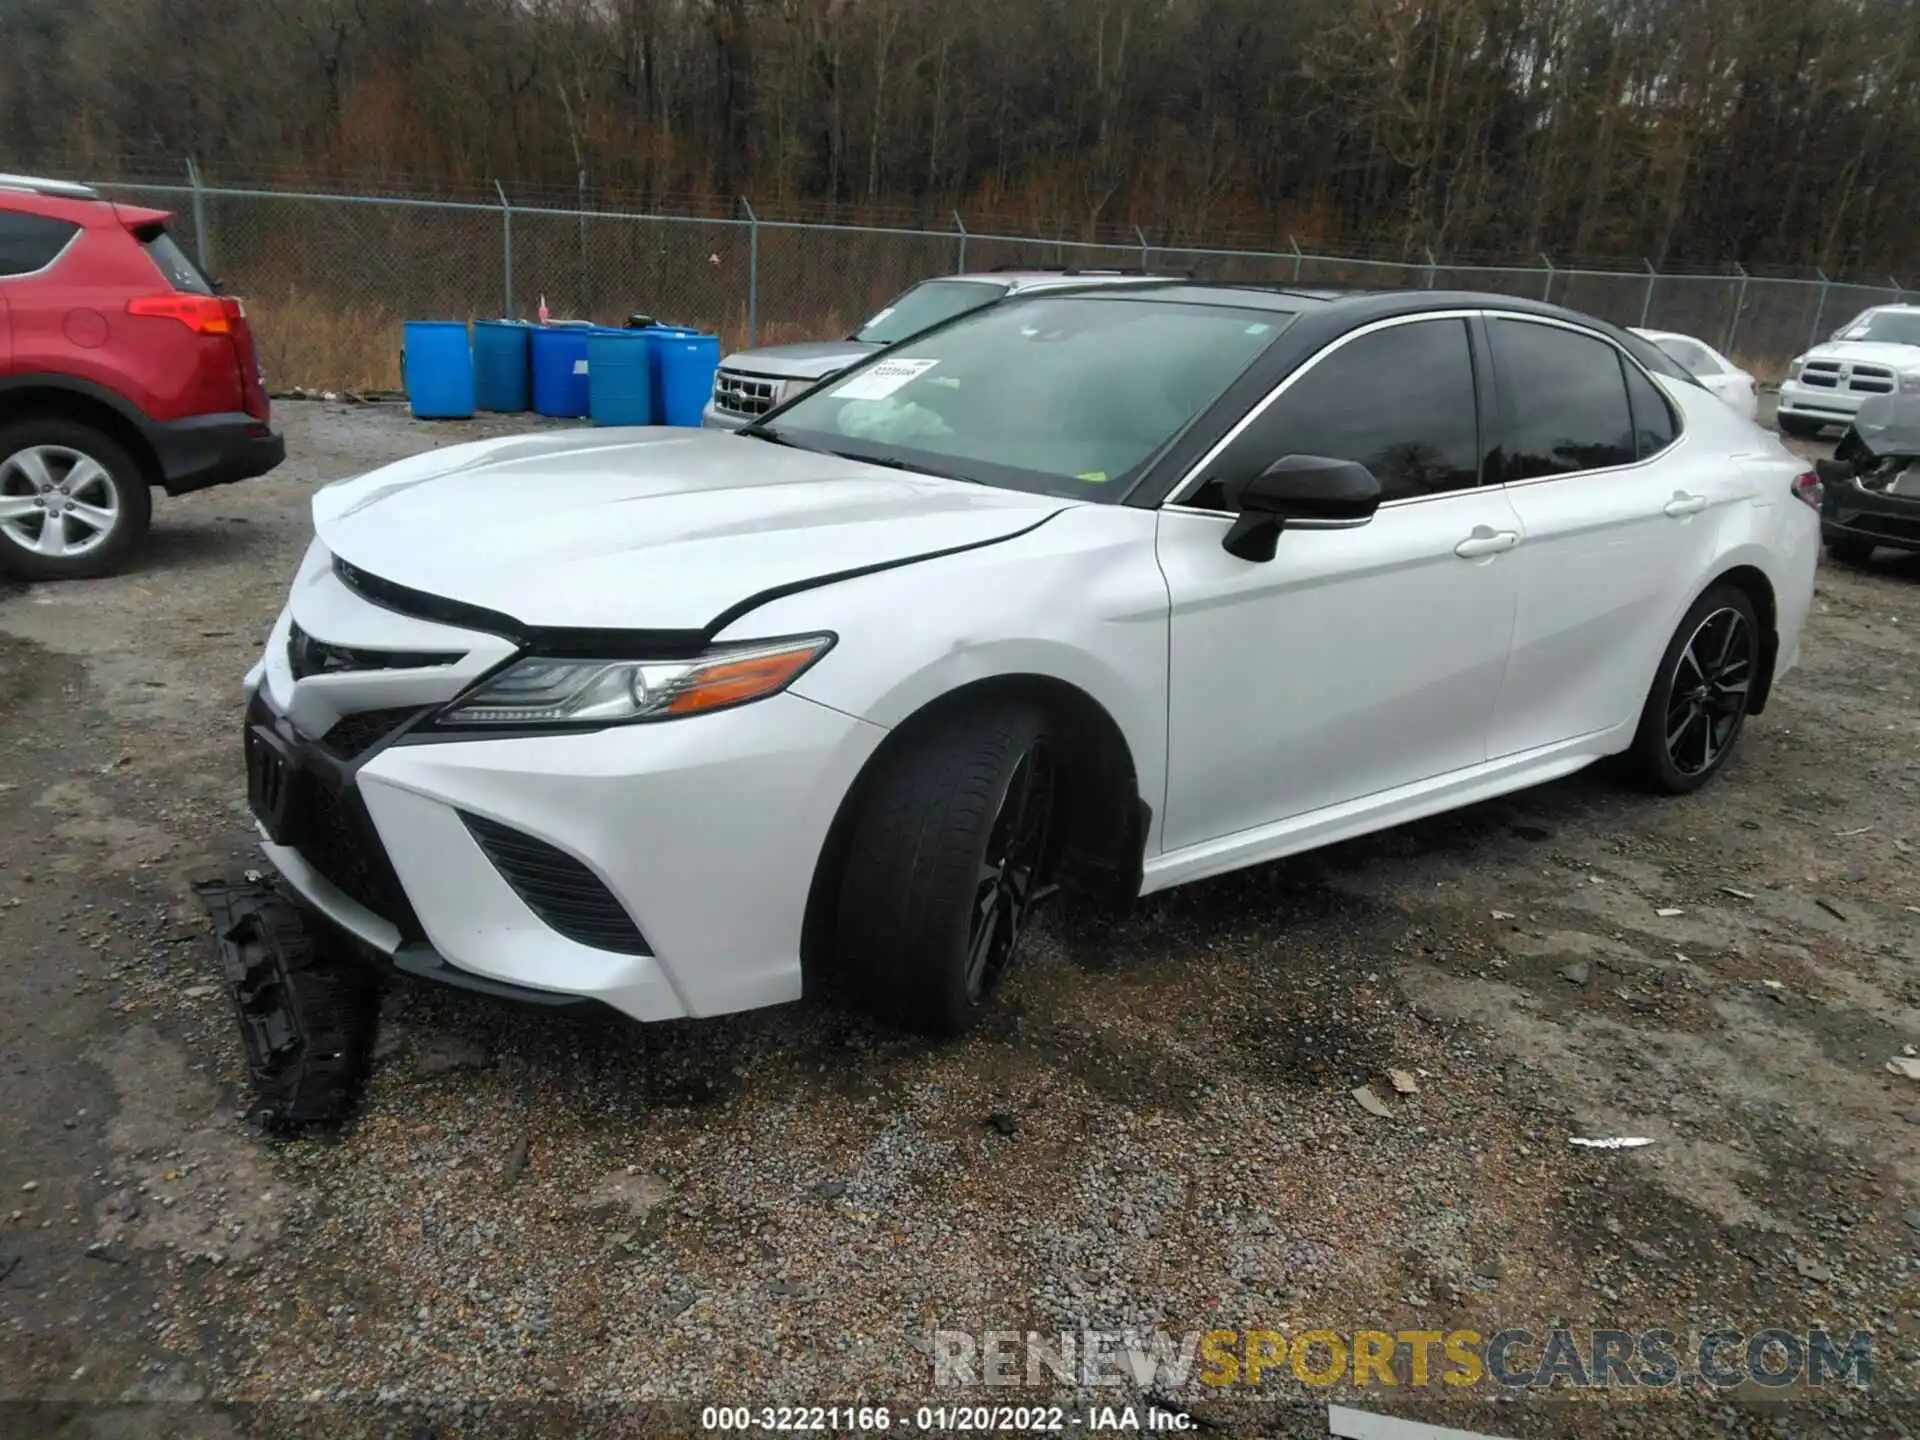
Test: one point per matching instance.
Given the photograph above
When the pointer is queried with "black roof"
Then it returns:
(1351, 302)
(1324, 311)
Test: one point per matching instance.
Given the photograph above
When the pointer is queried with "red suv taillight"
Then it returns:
(202, 314)
(1808, 490)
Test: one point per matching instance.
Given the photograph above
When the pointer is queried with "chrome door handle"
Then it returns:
(1486, 542)
(1685, 504)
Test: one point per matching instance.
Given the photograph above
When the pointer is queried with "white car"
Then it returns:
(1712, 369)
(1112, 590)
(1875, 353)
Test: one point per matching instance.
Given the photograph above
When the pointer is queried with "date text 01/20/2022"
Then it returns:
(950, 1419)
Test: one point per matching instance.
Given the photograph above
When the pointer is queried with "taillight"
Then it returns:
(1808, 490)
(202, 314)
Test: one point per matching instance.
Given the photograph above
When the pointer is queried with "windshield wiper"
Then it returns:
(892, 462)
(775, 437)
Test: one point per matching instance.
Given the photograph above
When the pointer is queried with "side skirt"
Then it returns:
(1353, 818)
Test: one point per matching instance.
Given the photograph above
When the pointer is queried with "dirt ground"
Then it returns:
(1156, 1132)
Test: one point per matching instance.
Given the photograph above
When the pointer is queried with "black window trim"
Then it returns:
(1486, 423)
(77, 231)
(1626, 357)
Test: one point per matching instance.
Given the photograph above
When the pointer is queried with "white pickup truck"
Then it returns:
(1875, 353)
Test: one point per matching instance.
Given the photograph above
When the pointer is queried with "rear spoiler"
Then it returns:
(142, 222)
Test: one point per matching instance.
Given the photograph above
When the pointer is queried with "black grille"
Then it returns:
(338, 840)
(308, 656)
(558, 888)
(353, 735)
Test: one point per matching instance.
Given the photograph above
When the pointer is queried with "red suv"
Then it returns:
(120, 370)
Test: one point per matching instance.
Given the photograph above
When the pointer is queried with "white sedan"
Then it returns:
(1713, 370)
(1108, 591)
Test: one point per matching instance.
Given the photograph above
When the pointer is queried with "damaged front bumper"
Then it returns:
(306, 798)
(1871, 486)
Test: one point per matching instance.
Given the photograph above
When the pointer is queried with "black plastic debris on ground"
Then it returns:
(307, 1012)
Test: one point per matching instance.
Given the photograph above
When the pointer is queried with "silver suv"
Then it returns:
(752, 382)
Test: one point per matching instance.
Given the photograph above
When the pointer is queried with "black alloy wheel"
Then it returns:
(1702, 692)
(1010, 873)
(1707, 695)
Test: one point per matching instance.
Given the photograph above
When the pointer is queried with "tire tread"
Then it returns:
(907, 888)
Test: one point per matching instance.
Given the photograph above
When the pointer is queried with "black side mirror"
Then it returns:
(1308, 492)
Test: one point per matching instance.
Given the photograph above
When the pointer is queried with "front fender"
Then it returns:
(1080, 600)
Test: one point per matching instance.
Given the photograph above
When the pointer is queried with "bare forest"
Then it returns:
(1767, 132)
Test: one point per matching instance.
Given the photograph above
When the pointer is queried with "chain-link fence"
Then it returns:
(329, 278)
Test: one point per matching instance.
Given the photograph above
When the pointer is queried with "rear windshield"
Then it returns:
(925, 306)
(1654, 358)
(1694, 357)
(182, 274)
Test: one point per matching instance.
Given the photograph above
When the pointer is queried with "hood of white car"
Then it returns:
(646, 529)
(1868, 352)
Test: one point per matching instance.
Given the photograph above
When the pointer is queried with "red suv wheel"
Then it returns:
(72, 502)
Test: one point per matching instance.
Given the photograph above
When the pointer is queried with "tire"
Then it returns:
(952, 845)
(1692, 696)
(306, 1015)
(1798, 425)
(111, 505)
(1851, 552)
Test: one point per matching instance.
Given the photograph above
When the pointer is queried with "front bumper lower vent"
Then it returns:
(558, 888)
(352, 735)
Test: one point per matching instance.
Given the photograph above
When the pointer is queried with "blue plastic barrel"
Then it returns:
(686, 366)
(655, 359)
(500, 365)
(559, 365)
(438, 369)
(620, 377)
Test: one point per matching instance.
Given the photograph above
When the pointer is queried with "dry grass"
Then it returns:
(1767, 369)
(318, 343)
(310, 340)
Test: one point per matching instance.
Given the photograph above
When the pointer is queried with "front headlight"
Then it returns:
(556, 692)
(1793, 366)
(1910, 381)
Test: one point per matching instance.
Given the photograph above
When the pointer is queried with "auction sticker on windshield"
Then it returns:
(883, 379)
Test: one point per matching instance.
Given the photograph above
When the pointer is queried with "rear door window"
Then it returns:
(31, 242)
(1566, 401)
(1653, 424)
(181, 273)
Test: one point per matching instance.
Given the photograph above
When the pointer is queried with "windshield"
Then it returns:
(925, 306)
(1064, 395)
(1890, 327)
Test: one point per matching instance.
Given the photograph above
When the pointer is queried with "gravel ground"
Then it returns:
(1156, 1132)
